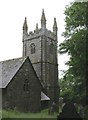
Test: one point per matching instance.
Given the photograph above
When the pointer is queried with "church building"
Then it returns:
(31, 80)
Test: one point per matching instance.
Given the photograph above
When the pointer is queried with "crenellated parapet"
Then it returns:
(39, 32)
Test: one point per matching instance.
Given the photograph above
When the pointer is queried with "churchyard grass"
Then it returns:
(17, 114)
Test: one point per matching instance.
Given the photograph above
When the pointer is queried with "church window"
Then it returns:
(32, 48)
(26, 85)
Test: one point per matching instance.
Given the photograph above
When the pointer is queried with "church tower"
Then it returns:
(41, 47)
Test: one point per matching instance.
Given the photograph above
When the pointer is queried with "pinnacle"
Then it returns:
(55, 23)
(25, 21)
(25, 24)
(43, 18)
(37, 26)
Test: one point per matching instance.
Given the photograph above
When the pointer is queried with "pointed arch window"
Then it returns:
(32, 48)
(26, 85)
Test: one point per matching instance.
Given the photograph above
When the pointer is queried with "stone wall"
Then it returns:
(14, 95)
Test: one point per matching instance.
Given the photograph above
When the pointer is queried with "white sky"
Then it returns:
(12, 14)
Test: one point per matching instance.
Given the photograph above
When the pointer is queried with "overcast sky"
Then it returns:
(12, 14)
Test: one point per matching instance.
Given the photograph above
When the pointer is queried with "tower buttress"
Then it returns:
(43, 20)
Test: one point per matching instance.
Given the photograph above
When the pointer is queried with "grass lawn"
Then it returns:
(17, 114)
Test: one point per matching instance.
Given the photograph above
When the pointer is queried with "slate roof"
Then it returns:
(8, 69)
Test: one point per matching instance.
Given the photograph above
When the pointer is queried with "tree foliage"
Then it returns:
(75, 45)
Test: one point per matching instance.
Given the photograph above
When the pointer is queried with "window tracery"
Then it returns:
(32, 48)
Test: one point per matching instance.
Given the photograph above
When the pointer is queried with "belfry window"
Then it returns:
(32, 48)
(26, 85)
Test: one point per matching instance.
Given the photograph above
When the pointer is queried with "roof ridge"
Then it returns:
(12, 59)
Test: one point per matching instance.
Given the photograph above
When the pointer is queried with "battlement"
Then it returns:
(40, 32)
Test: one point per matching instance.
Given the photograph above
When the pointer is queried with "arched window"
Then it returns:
(26, 85)
(32, 48)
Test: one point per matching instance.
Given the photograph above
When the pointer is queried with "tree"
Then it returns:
(66, 87)
(75, 45)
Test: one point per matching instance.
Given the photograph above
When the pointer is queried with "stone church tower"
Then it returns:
(41, 47)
